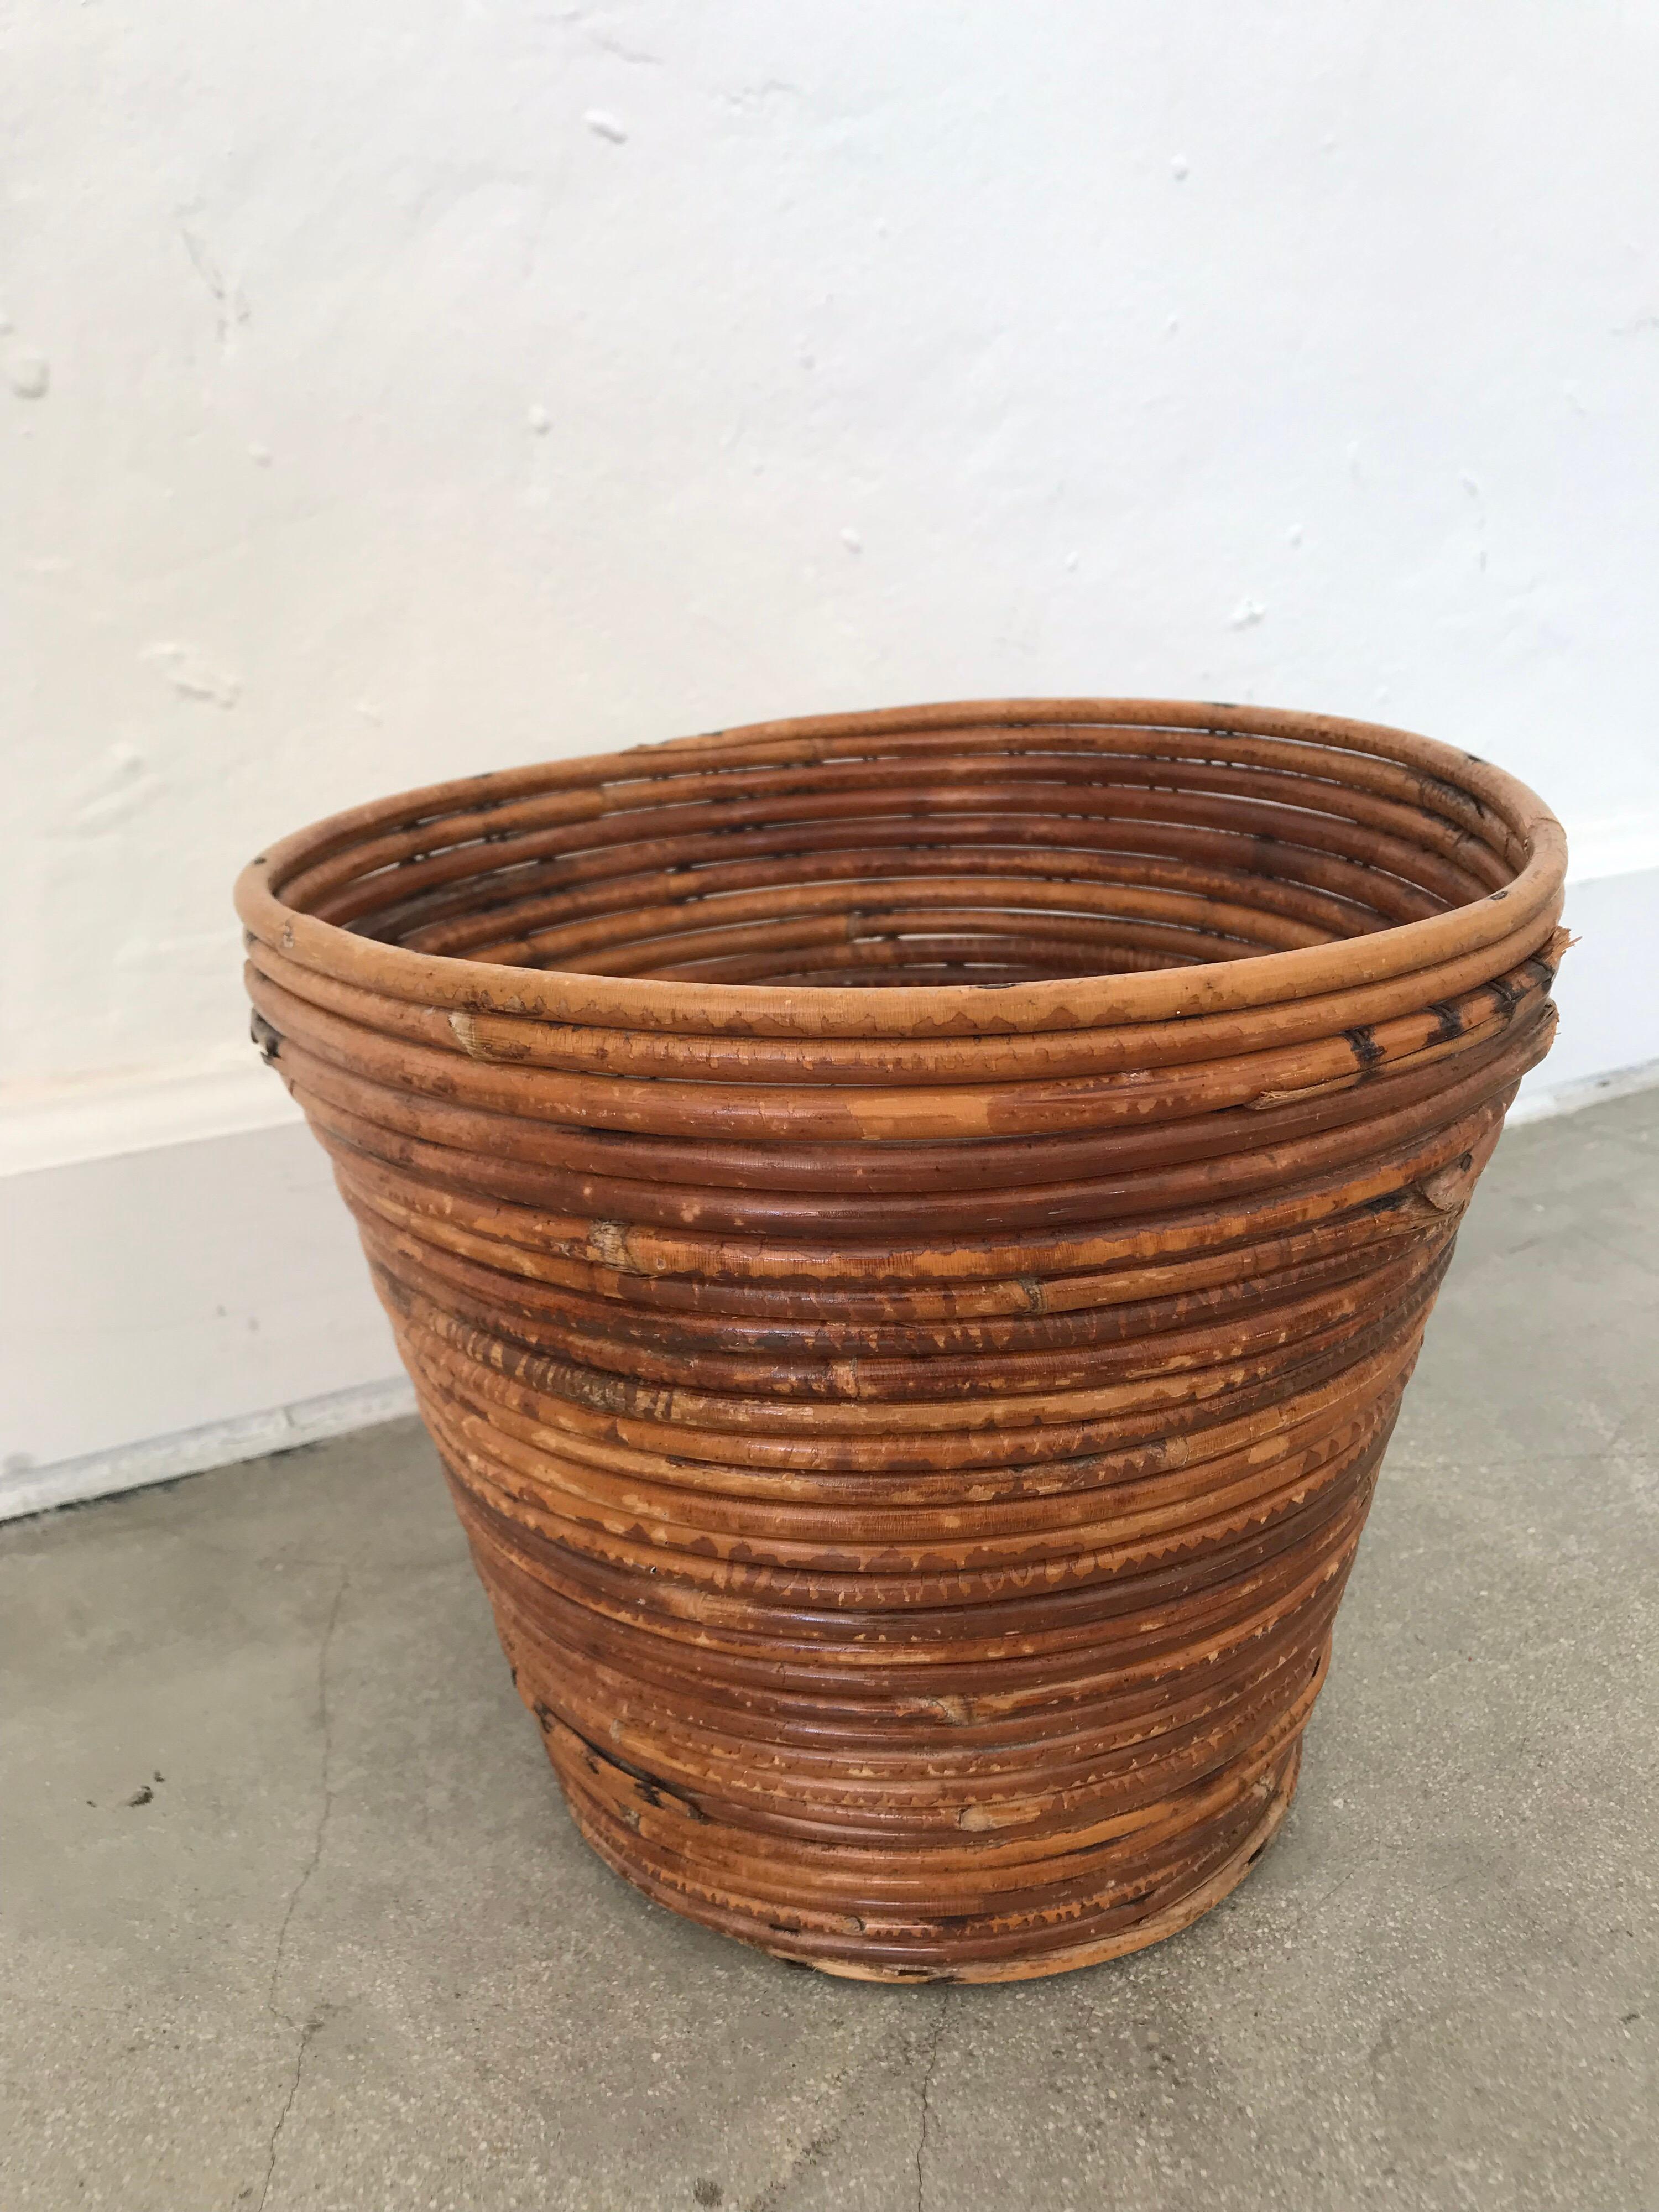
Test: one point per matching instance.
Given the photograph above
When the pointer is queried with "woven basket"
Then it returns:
(910, 1230)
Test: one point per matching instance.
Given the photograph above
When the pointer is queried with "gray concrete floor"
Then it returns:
(295, 1918)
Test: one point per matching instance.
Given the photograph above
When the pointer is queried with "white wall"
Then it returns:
(406, 387)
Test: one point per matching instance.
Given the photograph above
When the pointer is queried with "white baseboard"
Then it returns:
(182, 1288)
(1609, 1028)
(57, 1124)
(1589, 1090)
(220, 1444)
(154, 1301)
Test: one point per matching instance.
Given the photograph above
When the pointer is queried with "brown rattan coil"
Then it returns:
(910, 1230)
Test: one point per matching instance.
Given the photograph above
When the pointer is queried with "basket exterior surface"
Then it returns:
(909, 1231)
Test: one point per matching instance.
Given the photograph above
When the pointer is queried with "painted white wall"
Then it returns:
(408, 387)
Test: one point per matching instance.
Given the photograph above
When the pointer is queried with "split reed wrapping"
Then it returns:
(910, 1230)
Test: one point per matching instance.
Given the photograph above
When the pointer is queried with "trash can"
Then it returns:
(910, 1230)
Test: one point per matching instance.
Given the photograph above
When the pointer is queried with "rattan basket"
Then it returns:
(910, 1230)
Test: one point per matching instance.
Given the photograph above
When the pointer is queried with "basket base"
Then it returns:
(1169, 1922)
(1153, 1929)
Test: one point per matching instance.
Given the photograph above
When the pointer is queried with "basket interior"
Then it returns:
(991, 856)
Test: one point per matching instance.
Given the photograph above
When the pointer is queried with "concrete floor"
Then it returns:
(295, 1919)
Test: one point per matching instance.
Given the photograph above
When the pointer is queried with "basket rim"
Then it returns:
(1511, 921)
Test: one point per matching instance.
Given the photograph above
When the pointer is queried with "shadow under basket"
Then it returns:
(910, 1230)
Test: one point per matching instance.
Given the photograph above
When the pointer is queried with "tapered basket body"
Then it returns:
(909, 1231)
